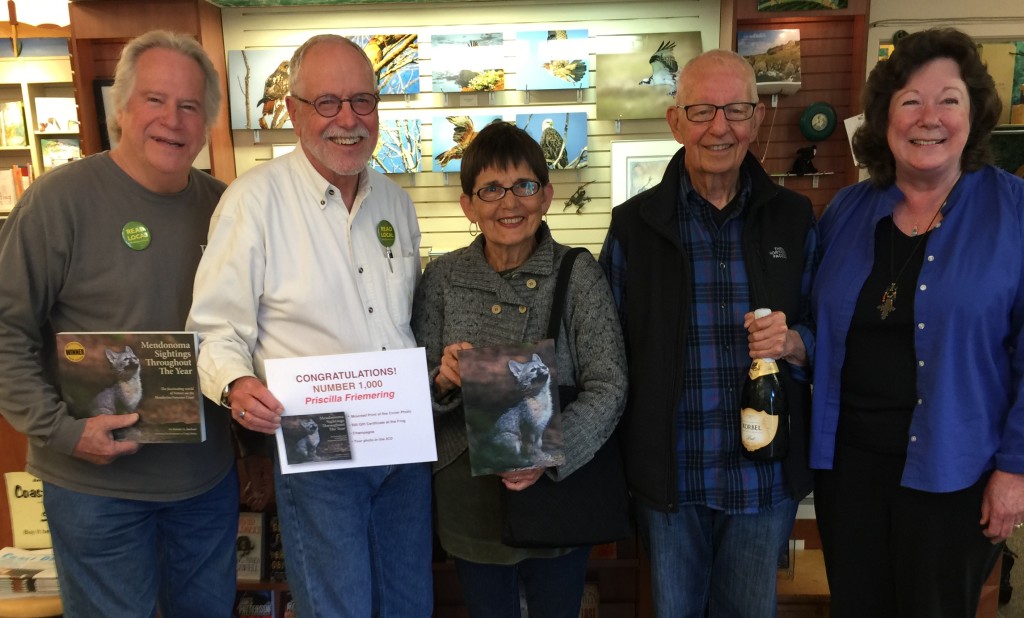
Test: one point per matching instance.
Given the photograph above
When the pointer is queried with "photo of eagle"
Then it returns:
(271, 105)
(553, 145)
(664, 68)
(562, 137)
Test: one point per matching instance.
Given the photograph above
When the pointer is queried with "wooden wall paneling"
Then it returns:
(828, 70)
(99, 30)
(13, 447)
(222, 149)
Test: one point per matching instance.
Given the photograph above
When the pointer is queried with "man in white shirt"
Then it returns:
(295, 267)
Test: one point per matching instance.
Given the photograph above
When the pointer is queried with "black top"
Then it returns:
(879, 381)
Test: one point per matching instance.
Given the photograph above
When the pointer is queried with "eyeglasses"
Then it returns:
(523, 188)
(328, 105)
(705, 112)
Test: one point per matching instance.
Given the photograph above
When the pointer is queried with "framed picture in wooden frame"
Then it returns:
(638, 165)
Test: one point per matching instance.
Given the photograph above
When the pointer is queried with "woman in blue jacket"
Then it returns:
(918, 418)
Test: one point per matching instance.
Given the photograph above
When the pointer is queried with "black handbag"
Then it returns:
(588, 507)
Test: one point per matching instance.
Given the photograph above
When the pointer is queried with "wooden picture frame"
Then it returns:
(638, 165)
(101, 92)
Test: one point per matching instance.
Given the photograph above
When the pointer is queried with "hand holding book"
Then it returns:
(97, 444)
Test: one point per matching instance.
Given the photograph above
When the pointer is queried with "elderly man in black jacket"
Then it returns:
(688, 261)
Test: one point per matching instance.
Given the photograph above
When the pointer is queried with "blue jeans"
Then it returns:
(120, 558)
(553, 586)
(705, 562)
(357, 541)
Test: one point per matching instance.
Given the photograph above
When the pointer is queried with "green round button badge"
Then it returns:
(386, 233)
(135, 235)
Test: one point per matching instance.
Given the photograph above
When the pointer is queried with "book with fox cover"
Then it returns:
(152, 373)
(513, 418)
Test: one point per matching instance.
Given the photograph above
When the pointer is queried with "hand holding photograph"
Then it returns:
(510, 395)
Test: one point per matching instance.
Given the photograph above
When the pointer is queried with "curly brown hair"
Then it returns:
(870, 144)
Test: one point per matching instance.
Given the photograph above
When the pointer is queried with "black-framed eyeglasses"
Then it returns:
(522, 188)
(705, 112)
(328, 105)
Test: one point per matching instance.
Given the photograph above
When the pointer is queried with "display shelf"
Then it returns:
(24, 79)
(813, 176)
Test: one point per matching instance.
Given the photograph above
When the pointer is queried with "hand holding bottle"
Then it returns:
(764, 412)
(770, 337)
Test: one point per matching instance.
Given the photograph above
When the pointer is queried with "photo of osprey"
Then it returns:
(467, 62)
(639, 79)
(664, 68)
(562, 137)
(258, 78)
(451, 136)
(552, 60)
(398, 147)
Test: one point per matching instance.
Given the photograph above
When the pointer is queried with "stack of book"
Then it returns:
(27, 571)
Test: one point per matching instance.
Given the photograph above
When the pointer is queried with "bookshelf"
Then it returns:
(24, 80)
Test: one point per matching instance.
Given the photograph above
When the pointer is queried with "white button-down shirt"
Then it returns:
(290, 271)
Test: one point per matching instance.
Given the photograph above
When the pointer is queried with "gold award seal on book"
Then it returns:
(74, 351)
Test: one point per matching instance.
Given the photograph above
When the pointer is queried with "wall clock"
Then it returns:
(818, 121)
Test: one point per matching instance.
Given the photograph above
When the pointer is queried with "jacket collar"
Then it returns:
(661, 210)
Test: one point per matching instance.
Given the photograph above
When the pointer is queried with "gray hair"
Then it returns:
(719, 56)
(295, 66)
(125, 73)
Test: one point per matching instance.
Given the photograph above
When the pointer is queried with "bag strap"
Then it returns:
(561, 287)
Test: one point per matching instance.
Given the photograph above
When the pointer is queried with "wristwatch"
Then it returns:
(224, 396)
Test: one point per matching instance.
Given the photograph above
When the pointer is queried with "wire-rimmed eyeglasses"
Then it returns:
(328, 105)
(522, 188)
(705, 112)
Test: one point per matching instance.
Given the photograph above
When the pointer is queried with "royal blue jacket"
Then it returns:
(969, 337)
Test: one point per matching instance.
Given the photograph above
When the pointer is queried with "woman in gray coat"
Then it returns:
(499, 290)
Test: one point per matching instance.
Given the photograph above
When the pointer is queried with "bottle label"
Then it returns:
(762, 367)
(757, 428)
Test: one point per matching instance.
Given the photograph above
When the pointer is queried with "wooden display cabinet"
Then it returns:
(100, 29)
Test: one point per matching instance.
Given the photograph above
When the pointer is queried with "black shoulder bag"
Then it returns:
(588, 507)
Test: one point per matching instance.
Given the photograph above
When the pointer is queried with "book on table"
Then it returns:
(27, 571)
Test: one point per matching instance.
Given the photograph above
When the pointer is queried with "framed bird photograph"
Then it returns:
(258, 78)
(562, 137)
(257, 86)
(638, 74)
(552, 60)
(450, 137)
(395, 59)
(467, 62)
(638, 165)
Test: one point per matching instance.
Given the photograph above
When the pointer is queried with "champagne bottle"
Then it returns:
(764, 412)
